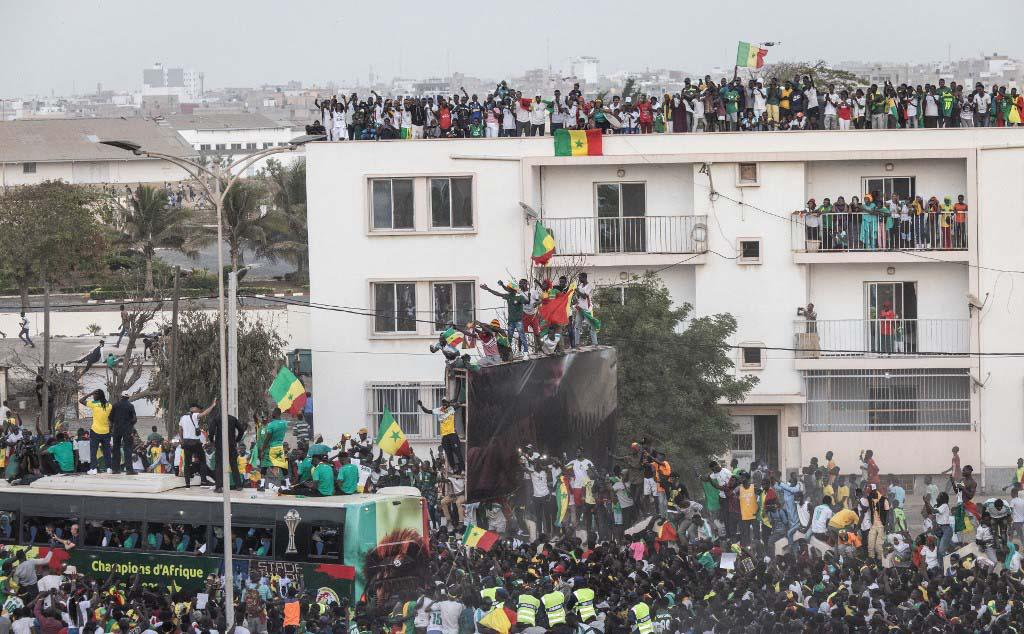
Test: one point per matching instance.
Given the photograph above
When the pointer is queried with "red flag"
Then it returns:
(556, 310)
(667, 533)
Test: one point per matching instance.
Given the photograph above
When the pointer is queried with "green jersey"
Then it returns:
(275, 430)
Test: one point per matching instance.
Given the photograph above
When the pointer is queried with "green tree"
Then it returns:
(674, 370)
(48, 230)
(152, 223)
(286, 222)
(261, 351)
(246, 224)
(819, 71)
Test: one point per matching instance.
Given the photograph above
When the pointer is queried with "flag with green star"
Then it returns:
(578, 143)
(390, 438)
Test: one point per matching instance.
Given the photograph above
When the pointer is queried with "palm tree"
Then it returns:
(151, 223)
(287, 220)
(246, 225)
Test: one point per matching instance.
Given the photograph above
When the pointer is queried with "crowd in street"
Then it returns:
(899, 223)
(702, 105)
(620, 547)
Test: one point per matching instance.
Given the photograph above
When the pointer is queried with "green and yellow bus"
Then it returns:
(336, 547)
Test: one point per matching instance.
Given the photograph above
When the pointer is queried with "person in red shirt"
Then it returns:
(646, 116)
(886, 327)
(960, 223)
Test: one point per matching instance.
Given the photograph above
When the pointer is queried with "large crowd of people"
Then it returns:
(702, 105)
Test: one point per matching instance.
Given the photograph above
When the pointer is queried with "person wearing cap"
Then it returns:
(362, 444)
(122, 423)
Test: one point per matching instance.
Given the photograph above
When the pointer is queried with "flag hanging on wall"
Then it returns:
(578, 142)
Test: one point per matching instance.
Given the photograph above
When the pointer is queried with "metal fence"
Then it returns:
(881, 337)
(868, 232)
(879, 400)
(638, 234)
(400, 399)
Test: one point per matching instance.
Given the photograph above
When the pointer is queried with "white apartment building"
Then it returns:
(232, 135)
(410, 230)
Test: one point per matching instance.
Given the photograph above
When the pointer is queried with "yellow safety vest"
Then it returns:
(526, 611)
(554, 605)
(585, 604)
(642, 614)
(488, 593)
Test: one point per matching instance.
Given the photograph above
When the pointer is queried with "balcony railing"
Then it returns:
(867, 232)
(881, 337)
(631, 234)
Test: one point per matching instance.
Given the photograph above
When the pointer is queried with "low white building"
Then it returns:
(33, 151)
(410, 229)
(233, 135)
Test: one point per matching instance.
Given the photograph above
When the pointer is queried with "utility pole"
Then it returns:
(232, 405)
(172, 404)
(46, 351)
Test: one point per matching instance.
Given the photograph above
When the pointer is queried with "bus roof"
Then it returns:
(155, 486)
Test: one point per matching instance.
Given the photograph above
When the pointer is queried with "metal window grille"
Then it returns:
(400, 399)
(870, 400)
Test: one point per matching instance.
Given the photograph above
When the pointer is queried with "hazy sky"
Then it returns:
(55, 45)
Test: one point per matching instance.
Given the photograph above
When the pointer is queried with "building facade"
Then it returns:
(905, 351)
(232, 135)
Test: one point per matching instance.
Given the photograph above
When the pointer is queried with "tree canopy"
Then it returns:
(820, 72)
(674, 371)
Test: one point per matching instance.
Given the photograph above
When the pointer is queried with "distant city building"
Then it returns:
(585, 68)
(185, 83)
(32, 151)
(232, 135)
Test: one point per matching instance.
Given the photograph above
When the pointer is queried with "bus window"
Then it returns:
(248, 541)
(113, 534)
(8, 527)
(182, 538)
(325, 541)
(41, 530)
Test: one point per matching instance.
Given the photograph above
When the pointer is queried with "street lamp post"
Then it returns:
(210, 179)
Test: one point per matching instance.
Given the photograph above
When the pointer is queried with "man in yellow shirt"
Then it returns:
(450, 443)
(748, 508)
(99, 433)
(843, 519)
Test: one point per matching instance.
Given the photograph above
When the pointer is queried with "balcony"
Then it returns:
(866, 237)
(630, 235)
(881, 338)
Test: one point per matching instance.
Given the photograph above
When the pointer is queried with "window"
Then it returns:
(325, 541)
(752, 357)
(869, 400)
(204, 147)
(400, 399)
(283, 144)
(451, 202)
(621, 211)
(392, 203)
(749, 251)
(619, 294)
(742, 442)
(39, 529)
(236, 146)
(28, 168)
(395, 306)
(113, 534)
(221, 146)
(252, 541)
(267, 146)
(182, 538)
(886, 186)
(8, 527)
(453, 303)
(746, 174)
(250, 146)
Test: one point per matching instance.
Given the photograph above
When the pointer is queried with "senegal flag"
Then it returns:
(500, 620)
(390, 438)
(578, 142)
(476, 537)
(453, 337)
(562, 494)
(557, 309)
(750, 55)
(287, 392)
(543, 244)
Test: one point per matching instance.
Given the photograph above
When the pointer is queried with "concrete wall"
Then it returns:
(93, 172)
(934, 177)
(838, 291)
(569, 191)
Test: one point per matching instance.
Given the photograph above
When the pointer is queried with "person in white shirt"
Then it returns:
(831, 120)
(542, 509)
(450, 610)
(822, 514)
(192, 444)
(538, 116)
(584, 306)
(981, 101)
(522, 115)
(549, 344)
(1017, 517)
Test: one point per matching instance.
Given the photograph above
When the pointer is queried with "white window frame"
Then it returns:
(427, 392)
(422, 213)
(430, 203)
(204, 147)
(741, 182)
(618, 185)
(743, 347)
(452, 283)
(373, 303)
(749, 260)
(369, 195)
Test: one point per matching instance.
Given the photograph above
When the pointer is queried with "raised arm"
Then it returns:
(423, 407)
